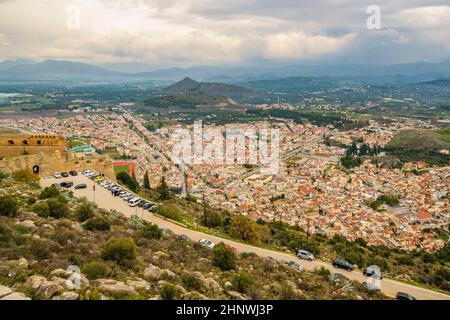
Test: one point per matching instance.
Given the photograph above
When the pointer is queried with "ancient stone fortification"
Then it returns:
(17, 145)
(48, 154)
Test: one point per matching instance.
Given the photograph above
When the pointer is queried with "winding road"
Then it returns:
(104, 199)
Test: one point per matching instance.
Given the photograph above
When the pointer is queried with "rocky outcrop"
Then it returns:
(114, 287)
(41, 288)
(154, 273)
(7, 294)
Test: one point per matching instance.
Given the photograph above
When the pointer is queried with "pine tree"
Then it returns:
(163, 190)
(146, 181)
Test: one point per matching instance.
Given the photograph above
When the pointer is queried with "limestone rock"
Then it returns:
(48, 289)
(34, 282)
(236, 295)
(138, 284)
(152, 273)
(15, 296)
(4, 291)
(115, 287)
(69, 295)
(28, 224)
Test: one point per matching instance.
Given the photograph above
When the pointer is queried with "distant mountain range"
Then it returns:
(366, 74)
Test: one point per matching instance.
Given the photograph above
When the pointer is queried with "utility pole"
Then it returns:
(93, 187)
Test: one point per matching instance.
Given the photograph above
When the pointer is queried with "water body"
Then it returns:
(13, 95)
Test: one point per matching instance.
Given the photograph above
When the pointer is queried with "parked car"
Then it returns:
(404, 296)
(305, 255)
(296, 265)
(66, 184)
(81, 186)
(73, 173)
(207, 243)
(342, 264)
(57, 175)
(184, 237)
(65, 174)
(373, 271)
(134, 202)
(86, 172)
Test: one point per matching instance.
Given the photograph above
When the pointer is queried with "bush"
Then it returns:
(41, 209)
(95, 270)
(244, 229)
(120, 250)
(191, 282)
(8, 206)
(243, 282)
(150, 231)
(43, 249)
(97, 224)
(49, 192)
(5, 234)
(170, 211)
(223, 257)
(26, 176)
(57, 209)
(169, 292)
(84, 212)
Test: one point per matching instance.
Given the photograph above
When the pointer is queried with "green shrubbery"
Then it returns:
(169, 292)
(95, 270)
(170, 211)
(49, 192)
(97, 224)
(150, 231)
(223, 257)
(41, 209)
(8, 206)
(5, 234)
(120, 250)
(244, 229)
(57, 208)
(243, 282)
(84, 212)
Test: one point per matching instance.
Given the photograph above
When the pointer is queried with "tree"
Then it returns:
(146, 181)
(84, 212)
(95, 270)
(163, 190)
(128, 181)
(120, 250)
(244, 229)
(8, 206)
(223, 257)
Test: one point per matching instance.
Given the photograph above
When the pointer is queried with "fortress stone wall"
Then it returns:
(17, 145)
(49, 153)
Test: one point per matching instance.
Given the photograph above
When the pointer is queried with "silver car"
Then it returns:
(305, 255)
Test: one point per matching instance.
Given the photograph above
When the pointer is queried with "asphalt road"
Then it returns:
(104, 199)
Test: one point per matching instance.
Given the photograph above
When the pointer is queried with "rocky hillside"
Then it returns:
(45, 236)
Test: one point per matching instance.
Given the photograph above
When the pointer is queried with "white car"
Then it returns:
(57, 175)
(207, 243)
(134, 202)
(86, 172)
(305, 255)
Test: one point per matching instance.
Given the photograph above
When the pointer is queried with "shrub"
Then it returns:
(22, 229)
(49, 192)
(191, 282)
(5, 234)
(95, 270)
(169, 292)
(120, 250)
(84, 212)
(41, 209)
(57, 209)
(150, 231)
(97, 224)
(170, 211)
(26, 176)
(223, 257)
(243, 282)
(43, 249)
(8, 206)
(244, 229)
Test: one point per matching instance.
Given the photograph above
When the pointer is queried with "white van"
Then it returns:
(134, 202)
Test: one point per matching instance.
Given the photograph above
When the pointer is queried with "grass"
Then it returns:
(119, 169)
(445, 133)
(4, 130)
(78, 142)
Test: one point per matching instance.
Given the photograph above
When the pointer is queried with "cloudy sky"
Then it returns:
(163, 33)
